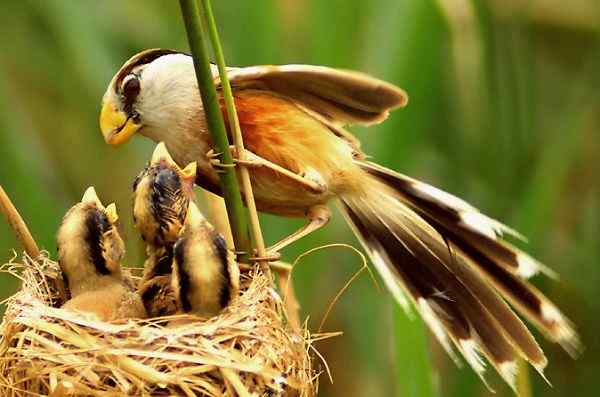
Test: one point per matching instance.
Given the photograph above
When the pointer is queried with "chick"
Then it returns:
(156, 293)
(90, 250)
(205, 276)
(162, 192)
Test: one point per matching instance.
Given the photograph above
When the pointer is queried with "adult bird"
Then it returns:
(441, 252)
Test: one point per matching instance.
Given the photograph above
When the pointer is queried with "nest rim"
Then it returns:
(247, 349)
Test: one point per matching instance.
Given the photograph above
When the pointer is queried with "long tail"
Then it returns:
(448, 259)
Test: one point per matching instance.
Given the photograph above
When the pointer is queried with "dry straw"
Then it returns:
(246, 351)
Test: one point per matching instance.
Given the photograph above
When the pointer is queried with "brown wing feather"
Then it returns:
(344, 97)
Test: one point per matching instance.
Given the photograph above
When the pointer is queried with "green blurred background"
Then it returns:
(504, 111)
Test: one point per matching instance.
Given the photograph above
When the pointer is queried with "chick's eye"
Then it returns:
(131, 87)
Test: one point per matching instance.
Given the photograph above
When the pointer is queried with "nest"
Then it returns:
(246, 350)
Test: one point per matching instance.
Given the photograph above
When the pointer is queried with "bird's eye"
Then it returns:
(131, 87)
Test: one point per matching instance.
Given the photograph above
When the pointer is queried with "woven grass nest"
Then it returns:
(247, 350)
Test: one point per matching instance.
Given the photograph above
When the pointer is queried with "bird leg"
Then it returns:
(318, 216)
(310, 179)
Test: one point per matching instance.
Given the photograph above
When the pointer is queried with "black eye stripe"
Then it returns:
(96, 225)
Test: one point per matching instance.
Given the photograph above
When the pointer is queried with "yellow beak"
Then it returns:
(111, 213)
(161, 153)
(116, 126)
(90, 197)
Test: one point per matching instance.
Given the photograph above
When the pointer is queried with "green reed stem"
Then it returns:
(216, 126)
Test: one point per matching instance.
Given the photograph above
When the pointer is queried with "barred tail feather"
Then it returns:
(436, 268)
(498, 262)
(482, 231)
(449, 309)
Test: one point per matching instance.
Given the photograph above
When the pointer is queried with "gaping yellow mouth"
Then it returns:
(116, 126)
(90, 197)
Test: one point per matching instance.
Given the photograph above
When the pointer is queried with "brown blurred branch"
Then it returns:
(16, 222)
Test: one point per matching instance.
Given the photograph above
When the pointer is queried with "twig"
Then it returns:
(63, 389)
(365, 266)
(338, 296)
(234, 124)
(235, 381)
(216, 127)
(18, 225)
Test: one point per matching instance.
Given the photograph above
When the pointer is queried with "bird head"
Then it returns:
(89, 243)
(161, 159)
(162, 192)
(150, 93)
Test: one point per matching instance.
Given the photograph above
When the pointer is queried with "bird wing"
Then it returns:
(342, 97)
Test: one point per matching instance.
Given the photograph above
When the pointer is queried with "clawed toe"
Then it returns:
(250, 160)
(218, 166)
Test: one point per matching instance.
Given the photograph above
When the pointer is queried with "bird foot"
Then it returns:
(310, 178)
(250, 160)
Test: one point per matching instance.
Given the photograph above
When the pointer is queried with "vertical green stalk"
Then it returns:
(236, 132)
(216, 126)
